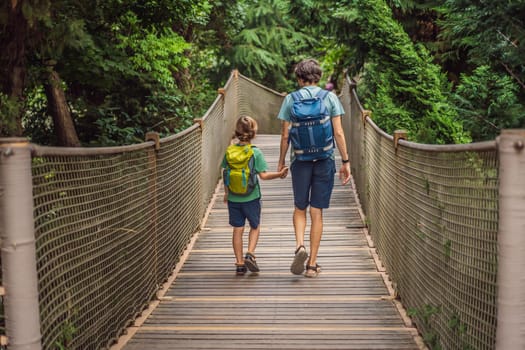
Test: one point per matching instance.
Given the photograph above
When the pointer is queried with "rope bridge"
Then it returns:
(90, 234)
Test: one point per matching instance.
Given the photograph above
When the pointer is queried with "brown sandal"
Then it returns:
(250, 262)
(312, 271)
(299, 259)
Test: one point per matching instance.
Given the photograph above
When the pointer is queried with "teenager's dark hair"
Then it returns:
(245, 128)
(309, 71)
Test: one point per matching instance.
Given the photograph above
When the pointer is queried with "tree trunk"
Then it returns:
(59, 110)
(14, 57)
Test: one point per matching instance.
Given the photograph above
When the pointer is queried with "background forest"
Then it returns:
(106, 72)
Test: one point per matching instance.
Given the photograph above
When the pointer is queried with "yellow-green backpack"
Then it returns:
(239, 175)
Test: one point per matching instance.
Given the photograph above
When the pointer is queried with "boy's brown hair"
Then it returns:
(245, 128)
(309, 71)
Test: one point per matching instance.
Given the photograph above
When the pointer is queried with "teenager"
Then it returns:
(312, 179)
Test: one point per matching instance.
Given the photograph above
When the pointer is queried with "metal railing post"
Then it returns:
(511, 241)
(17, 233)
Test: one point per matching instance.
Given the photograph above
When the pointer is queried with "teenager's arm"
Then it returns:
(344, 172)
(284, 145)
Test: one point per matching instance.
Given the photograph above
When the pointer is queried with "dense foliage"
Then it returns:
(404, 88)
(124, 67)
(106, 72)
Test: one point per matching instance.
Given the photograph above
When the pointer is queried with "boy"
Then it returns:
(245, 206)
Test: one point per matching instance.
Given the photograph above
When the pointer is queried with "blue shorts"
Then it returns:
(239, 212)
(313, 183)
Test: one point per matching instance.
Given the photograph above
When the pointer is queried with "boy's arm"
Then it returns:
(225, 198)
(223, 168)
(270, 175)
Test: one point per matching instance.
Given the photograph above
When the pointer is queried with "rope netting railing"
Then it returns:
(433, 214)
(95, 226)
(105, 227)
(90, 235)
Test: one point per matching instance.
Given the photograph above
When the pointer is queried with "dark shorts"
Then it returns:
(313, 183)
(239, 212)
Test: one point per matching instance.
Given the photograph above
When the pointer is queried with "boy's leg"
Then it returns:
(252, 211)
(249, 259)
(237, 220)
(253, 238)
(237, 245)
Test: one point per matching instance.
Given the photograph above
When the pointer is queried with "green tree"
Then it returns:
(402, 85)
(488, 102)
(486, 33)
(267, 42)
(333, 40)
(419, 19)
(119, 68)
(19, 22)
(135, 77)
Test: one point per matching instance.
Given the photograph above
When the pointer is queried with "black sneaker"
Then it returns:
(251, 264)
(240, 270)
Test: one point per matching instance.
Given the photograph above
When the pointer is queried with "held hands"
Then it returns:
(270, 175)
(283, 172)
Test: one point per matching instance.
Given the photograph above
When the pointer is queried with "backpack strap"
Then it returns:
(322, 94)
(296, 95)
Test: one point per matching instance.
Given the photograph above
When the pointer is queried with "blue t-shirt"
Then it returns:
(260, 166)
(331, 101)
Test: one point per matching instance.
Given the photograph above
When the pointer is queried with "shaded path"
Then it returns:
(347, 307)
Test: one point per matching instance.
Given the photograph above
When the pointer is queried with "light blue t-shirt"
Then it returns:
(331, 101)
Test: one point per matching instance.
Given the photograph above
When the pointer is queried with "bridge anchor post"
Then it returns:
(511, 241)
(18, 246)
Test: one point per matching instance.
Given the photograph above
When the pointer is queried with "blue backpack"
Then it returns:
(311, 131)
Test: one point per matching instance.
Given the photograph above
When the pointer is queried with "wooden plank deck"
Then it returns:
(347, 307)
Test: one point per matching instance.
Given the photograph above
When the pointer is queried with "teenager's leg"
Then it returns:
(299, 224)
(316, 232)
(237, 245)
(322, 186)
(301, 177)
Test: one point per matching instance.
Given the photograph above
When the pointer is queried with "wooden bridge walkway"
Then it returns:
(208, 307)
